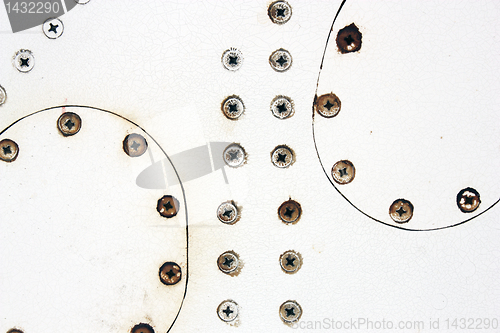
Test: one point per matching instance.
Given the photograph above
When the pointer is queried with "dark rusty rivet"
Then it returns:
(349, 39)
(280, 60)
(279, 12)
(282, 107)
(232, 107)
(290, 211)
(168, 206)
(228, 212)
(170, 273)
(282, 156)
(227, 310)
(327, 105)
(229, 263)
(290, 312)
(69, 123)
(343, 172)
(135, 145)
(468, 200)
(8, 150)
(3, 95)
(24, 61)
(53, 28)
(15, 330)
(234, 155)
(232, 59)
(142, 328)
(401, 211)
(290, 262)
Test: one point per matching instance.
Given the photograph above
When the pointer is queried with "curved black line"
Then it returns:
(173, 166)
(326, 174)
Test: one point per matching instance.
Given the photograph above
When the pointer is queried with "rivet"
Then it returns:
(401, 211)
(234, 155)
(349, 39)
(227, 310)
(282, 107)
(168, 206)
(279, 12)
(232, 107)
(290, 262)
(327, 105)
(3, 95)
(232, 59)
(290, 211)
(69, 123)
(343, 172)
(24, 61)
(170, 273)
(8, 150)
(468, 200)
(142, 328)
(135, 145)
(290, 312)
(282, 156)
(229, 263)
(53, 28)
(280, 60)
(228, 212)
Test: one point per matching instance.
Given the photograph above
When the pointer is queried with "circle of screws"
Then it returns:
(280, 60)
(279, 12)
(170, 273)
(168, 206)
(349, 39)
(232, 59)
(343, 172)
(327, 105)
(3, 95)
(24, 61)
(282, 107)
(468, 200)
(232, 107)
(69, 123)
(53, 28)
(227, 310)
(234, 155)
(228, 212)
(135, 145)
(282, 156)
(401, 211)
(290, 262)
(228, 262)
(290, 211)
(142, 328)
(290, 312)
(8, 150)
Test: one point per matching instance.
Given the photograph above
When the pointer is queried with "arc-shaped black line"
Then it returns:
(326, 173)
(173, 166)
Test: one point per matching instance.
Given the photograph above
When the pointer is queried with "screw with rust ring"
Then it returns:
(401, 211)
(290, 262)
(142, 328)
(228, 212)
(8, 150)
(327, 105)
(290, 211)
(343, 172)
(69, 123)
(135, 145)
(468, 200)
(349, 39)
(170, 273)
(290, 312)
(227, 310)
(229, 262)
(168, 206)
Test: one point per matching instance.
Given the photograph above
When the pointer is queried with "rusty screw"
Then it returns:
(3, 95)
(229, 262)
(168, 206)
(282, 156)
(327, 105)
(170, 273)
(24, 61)
(227, 310)
(69, 123)
(8, 150)
(290, 211)
(290, 262)
(290, 312)
(468, 200)
(14, 330)
(228, 212)
(135, 145)
(279, 12)
(282, 107)
(280, 60)
(343, 172)
(349, 39)
(232, 107)
(53, 28)
(401, 211)
(232, 59)
(142, 328)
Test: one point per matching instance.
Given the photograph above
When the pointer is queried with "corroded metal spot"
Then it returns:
(69, 123)
(135, 145)
(279, 12)
(349, 39)
(142, 328)
(24, 61)
(170, 273)
(229, 263)
(282, 156)
(280, 60)
(290, 211)
(290, 312)
(468, 200)
(15, 330)
(168, 206)
(290, 262)
(228, 212)
(232, 107)
(401, 211)
(343, 172)
(228, 310)
(3, 95)
(234, 155)
(8, 150)
(282, 107)
(327, 105)
(232, 59)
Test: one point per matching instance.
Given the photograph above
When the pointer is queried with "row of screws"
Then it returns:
(280, 60)
(290, 311)
(282, 107)
(229, 262)
(289, 212)
(235, 156)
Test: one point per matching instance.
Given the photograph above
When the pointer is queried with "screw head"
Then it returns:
(228, 262)
(228, 212)
(282, 156)
(8, 150)
(24, 61)
(343, 172)
(69, 123)
(234, 155)
(168, 206)
(170, 273)
(135, 145)
(142, 328)
(282, 107)
(227, 310)
(468, 200)
(349, 39)
(280, 60)
(15, 330)
(279, 12)
(290, 211)
(232, 59)
(232, 107)
(53, 28)
(3, 95)
(290, 312)
(290, 262)
(401, 211)
(327, 105)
